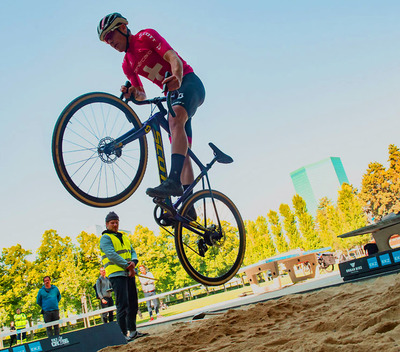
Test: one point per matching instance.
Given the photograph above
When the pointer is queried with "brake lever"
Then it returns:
(127, 85)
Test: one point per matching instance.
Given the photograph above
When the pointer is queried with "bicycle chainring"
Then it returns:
(162, 218)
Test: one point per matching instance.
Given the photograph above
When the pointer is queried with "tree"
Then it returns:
(380, 187)
(267, 247)
(290, 226)
(333, 221)
(276, 228)
(144, 242)
(169, 269)
(15, 283)
(306, 224)
(327, 221)
(350, 208)
(259, 244)
(88, 262)
(56, 257)
(158, 254)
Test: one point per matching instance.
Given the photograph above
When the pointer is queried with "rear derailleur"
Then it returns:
(211, 238)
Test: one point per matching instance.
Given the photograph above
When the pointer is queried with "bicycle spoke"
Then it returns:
(77, 134)
(94, 117)
(92, 131)
(87, 173)
(83, 139)
(84, 161)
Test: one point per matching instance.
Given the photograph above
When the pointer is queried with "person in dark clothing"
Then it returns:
(104, 289)
(13, 338)
(371, 248)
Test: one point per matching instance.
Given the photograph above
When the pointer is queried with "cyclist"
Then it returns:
(149, 55)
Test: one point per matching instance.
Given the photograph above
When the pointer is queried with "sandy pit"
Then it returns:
(362, 316)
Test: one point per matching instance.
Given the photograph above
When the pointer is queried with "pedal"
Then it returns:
(161, 203)
(158, 200)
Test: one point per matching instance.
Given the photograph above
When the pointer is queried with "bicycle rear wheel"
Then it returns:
(214, 254)
(330, 268)
(92, 176)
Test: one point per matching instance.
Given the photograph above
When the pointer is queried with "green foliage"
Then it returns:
(259, 242)
(346, 216)
(57, 257)
(89, 264)
(158, 254)
(276, 228)
(266, 247)
(328, 223)
(290, 226)
(306, 224)
(15, 282)
(73, 269)
(381, 187)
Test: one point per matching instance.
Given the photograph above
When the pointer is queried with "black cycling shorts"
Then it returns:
(190, 95)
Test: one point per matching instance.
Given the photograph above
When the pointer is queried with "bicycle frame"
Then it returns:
(153, 123)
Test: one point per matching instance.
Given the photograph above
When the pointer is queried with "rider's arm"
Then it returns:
(137, 87)
(138, 92)
(174, 81)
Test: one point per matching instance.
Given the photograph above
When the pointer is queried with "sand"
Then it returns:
(362, 316)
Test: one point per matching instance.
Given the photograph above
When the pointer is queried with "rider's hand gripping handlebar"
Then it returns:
(155, 100)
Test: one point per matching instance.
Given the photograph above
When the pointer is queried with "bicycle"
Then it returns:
(326, 262)
(100, 154)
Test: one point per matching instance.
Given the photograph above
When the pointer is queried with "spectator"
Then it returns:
(371, 248)
(119, 260)
(48, 298)
(163, 305)
(13, 338)
(20, 322)
(149, 289)
(104, 289)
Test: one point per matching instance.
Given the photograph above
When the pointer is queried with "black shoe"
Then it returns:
(135, 335)
(168, 188)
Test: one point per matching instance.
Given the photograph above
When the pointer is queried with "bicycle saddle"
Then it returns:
(220, 156)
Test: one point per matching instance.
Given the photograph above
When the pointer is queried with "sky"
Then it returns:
(288, 83)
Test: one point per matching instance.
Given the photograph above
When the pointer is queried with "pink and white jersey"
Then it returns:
(145, 58)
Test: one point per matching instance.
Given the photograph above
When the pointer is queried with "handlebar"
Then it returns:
(156, 100)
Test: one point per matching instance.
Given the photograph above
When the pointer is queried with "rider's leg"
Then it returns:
(179, 143)
(172, 186)
(187, 175)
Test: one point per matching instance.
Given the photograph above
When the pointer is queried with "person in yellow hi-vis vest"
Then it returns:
(119, 260)
(20, 322)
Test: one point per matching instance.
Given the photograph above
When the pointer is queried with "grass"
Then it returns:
(213, 298)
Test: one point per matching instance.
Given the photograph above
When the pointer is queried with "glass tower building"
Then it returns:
(321, 179)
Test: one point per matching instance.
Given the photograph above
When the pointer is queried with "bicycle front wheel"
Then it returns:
(212, 249)
(88, 124)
